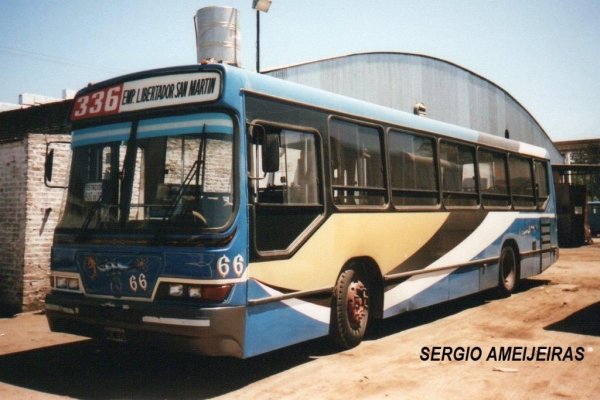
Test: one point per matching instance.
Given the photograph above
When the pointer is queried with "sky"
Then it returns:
(545, 53)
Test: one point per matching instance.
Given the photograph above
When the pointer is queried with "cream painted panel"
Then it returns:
(387, 238)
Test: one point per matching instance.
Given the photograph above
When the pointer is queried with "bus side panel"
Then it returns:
(485, 241)
(447, 286)
(463, 282)
(549, 239)
(277, 324)
(531, 232)
(488, 276)
(530, 266)
(435, 294)
(548, 259)
(549, 228)
(524, 231)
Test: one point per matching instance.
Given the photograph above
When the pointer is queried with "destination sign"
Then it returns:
(148, 93)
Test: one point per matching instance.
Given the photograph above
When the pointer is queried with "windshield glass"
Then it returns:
(169, 174)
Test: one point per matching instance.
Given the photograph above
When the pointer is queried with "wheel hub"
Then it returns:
(358, 306)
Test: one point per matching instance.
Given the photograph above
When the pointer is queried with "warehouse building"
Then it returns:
(427, 86)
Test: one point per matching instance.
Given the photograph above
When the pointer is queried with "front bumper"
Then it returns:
(208, 331)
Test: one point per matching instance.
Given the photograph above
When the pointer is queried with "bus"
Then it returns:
(230, 213)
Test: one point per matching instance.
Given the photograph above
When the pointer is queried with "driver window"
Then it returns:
(295, 182)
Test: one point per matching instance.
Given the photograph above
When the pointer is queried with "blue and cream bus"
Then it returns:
(230, 213)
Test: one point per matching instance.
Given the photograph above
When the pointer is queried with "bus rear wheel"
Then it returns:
(350, 308)
(508, 271)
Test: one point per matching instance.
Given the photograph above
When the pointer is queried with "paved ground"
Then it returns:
(553, 316)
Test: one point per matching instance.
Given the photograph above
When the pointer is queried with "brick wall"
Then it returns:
(28, 209)
(29, 213)
(13, 185)
(42, 210)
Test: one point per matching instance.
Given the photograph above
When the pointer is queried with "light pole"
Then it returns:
(259, 6)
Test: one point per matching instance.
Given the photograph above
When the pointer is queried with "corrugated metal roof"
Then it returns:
(451, 93)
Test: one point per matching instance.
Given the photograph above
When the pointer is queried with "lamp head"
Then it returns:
(261, 5)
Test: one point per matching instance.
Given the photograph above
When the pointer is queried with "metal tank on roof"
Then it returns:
(218, 35)
(427, 86)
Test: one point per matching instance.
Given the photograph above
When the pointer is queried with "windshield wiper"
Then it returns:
(186, 183)
(194, 172)
(90, 215)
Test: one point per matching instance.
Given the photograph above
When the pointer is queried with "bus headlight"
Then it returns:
(176, 290)
(73, 284)
(60, 282)
(196, 293)
(65, 283)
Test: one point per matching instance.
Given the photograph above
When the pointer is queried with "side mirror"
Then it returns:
(48, 166)
(270, 152)
(49, 163)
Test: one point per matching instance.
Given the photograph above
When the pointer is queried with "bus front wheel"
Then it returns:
(350, 308)
(508, 271)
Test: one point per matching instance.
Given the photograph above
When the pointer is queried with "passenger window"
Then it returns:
(493, 184)
(521, 182)
(412, 169)
(541, 181)
(356, 164)
(457, 166)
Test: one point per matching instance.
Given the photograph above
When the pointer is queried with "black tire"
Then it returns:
(507, 271)
(350, 308)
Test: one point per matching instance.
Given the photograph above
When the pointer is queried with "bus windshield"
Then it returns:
(170, 174)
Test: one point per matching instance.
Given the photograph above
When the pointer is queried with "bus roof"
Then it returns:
(237, 79)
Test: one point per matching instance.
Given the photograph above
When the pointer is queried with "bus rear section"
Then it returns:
(403, 213)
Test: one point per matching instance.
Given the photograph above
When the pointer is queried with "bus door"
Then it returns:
(285, 192)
